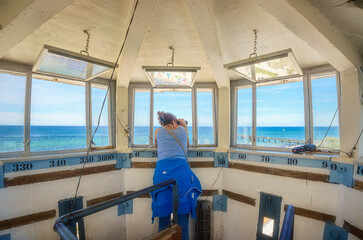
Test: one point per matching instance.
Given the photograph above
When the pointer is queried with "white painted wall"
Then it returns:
(33, 198)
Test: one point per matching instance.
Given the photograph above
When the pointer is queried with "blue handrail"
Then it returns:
(60, 226)
(287, 231)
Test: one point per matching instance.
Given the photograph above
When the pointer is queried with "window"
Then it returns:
(57, 116)
(286, 113)
(142, 117)
(101, 137)
(12, 99)
(177, 102)
(195, 105)
(205, 117)
(244, 115)
(280, 114)
(325, 111)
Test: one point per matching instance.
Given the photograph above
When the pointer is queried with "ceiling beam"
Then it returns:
(27, 21)
(203, 23)
(311, 26)
(138, 28)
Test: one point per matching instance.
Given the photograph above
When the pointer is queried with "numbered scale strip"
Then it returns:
(191, 154)
(291, 161)
(63, 162)
(55, 163)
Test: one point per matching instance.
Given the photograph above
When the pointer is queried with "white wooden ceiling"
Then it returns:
(172, 24)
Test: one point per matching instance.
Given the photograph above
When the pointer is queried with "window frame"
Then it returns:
(20, 70)
(147, 86)
(325, 71)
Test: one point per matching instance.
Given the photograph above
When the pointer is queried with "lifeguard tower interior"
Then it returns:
(81, 82)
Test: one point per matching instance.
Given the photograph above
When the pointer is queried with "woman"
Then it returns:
(172, 164)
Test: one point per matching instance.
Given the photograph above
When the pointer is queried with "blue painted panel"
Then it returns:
(359, 170)
(55, 163)
(2, 183)
(125, 208)
(191, 154)
(123, 160)
(5, 237)
(220, 159)
(332, 232)
(220, 203)
(200, 154)
(65, 206)
(145, 154)
(341, 173)
(291, 161)
(270, 207)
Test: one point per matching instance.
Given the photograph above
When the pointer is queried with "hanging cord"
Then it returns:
(172, 56)
(85, 51)
(254, 54)
(99, 117)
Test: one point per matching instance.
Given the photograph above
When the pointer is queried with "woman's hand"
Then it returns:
(183, 123)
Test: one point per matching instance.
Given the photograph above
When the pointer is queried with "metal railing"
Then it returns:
(60, 226)
(276, 140)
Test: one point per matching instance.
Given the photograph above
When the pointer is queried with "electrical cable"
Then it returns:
(355, 145)
(326, 133)
(99, 117)
(211, 189)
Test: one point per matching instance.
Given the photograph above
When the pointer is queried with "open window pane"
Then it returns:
(173, 78)
(280, 114)
(101, 137)
(61, 65)
(244, 115)
(141, 117)
(175, 101)
(12, 99)
(325, 104)
(205, 116)
(57, 116)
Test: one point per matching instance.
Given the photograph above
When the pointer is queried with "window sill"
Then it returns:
(55, 154)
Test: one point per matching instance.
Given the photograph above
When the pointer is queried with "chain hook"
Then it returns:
(254, 54)
(85, 51)
(172, 56)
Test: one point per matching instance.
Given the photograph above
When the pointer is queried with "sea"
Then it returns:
(48, 138)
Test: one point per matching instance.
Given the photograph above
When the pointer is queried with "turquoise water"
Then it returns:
(46, 138)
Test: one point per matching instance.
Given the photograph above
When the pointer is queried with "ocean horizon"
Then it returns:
(47, 138)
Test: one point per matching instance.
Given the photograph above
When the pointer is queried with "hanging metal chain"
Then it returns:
(172, 56)
(254, 54)
(85, 51)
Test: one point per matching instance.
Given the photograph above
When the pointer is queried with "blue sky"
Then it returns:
(283, 105)
(63, 104)
(53, 104)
